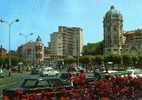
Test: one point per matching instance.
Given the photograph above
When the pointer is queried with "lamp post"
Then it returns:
(26, 38)
(78, 51)
(9, 31)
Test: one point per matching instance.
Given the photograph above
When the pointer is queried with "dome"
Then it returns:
(113, 12)
(38, 39)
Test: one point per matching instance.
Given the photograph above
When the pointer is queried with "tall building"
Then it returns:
(56, 44)
(67, 41)
(113, 31)
(32, 51)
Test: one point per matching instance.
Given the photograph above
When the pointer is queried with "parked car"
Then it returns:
(48, 71)
(35, 70)
(65, 77)
(1, 73)
(100, 75)
(121, 73)
(37, 85)
(15, 69)
(135, 72)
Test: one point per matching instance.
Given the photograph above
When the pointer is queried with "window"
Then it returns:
(43, 83)
(55, 83)
(30, 83)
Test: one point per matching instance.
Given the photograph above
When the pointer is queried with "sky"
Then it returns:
(42, 17)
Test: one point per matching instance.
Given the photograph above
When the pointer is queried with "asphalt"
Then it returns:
(18, 77)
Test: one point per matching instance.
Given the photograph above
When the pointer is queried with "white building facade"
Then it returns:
(67, 41)
(32, 51)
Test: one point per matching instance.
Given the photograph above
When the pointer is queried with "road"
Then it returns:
(18, 77)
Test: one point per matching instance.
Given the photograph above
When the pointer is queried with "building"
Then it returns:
(13, 53)
(113, 31)
(67, 41)
(32, 51)
(3, 51)
(56, 44)
(115, 40)
(133, 42)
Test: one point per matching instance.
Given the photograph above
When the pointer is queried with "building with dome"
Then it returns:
(113, 31)
(32, 51)
(116, 41)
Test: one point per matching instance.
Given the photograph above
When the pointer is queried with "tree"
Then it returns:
(4, 60)
(127, 59)
(114, 58)
(140, 60)
(14, 60)
(69, 60)
(135, 59)
(86, 61)
(99, 59)
(93, 49)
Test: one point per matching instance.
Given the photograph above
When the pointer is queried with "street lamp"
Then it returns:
(9, 30)
(78, 51)
(26, 36)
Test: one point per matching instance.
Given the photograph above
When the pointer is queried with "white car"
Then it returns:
(112, 71)
(48, 71)
(135, 72)
(1, 73)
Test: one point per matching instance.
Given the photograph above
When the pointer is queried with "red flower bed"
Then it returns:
(103, 88)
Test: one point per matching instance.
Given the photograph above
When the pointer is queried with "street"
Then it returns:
(17, 79)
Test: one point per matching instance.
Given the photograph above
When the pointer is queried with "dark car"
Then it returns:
(35, 71)
(101, 75)
(65, 77)
(37, 85)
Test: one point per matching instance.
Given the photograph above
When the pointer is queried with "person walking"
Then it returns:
(82, 78)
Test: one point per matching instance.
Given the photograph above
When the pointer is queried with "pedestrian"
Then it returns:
(74, 80)
(82, 78)
(9, 72)
(5, 98)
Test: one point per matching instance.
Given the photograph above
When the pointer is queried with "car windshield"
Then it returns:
(29, 83)
(55, 83)
(65, 76)
(43, 83)
(47, 69)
